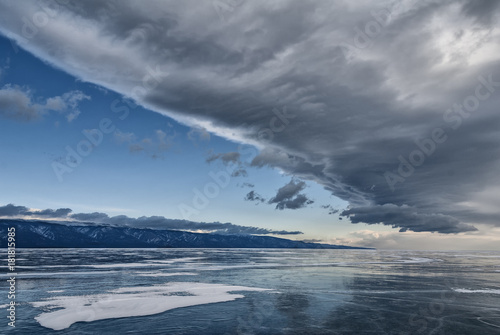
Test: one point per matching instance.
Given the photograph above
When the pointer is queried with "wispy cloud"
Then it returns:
(153, 146)
(18, 104)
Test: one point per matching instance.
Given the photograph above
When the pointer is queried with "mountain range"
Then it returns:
(44, 234)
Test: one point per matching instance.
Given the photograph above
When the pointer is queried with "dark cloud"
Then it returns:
(231, 159)
(288, 191)
(406, 218)
(226, 158)
(356, 102)
(11, 210)
(483, 11)
(58, 213)
(299, 201)
(288, 196)
(239, 172)
(253, 196)
(154, 222)
(93, 217)
(160, 222)
(330, 208)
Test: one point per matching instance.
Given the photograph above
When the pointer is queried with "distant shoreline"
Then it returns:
(58, 235)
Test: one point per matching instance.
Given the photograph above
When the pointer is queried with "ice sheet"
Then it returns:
(133, 301)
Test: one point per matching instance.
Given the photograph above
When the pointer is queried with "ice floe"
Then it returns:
(133, 301)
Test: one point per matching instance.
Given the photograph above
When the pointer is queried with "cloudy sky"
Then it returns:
(371, 123)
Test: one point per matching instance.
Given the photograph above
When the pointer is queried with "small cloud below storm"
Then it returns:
(330, 208)
(196, 134)
(253, 196)
(230, 159)
(288, 196)
(153, 146)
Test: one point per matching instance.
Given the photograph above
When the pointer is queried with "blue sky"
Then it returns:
(119, 181)
(368, 123)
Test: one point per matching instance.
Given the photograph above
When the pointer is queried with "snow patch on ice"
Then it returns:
(146, 264)
(487, 290)
(133, 301)
(163, 274)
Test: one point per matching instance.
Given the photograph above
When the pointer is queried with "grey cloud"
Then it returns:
(198, 133)
(226, 158)
(300, 201)
(330, 208)
(58, 213)
(160, 222)
(153, 146)
(154, 222)
(353, 114)
(240, 172)
(288, 191)
(230, 159)
(11, 210)
(288, 196)
(18, 104)
(406, 218)
(482, 10)
(253, 196)
(93, 217)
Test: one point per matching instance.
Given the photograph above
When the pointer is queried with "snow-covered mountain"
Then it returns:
(43, 234)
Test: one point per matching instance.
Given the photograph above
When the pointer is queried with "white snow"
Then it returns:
(133, 301)
(486, 290)
(65, 273)
(149, 263)
(163, 274)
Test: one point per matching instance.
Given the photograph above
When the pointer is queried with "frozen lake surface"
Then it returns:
(254, 291)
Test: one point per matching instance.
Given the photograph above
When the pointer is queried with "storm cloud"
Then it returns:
(394, 103)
